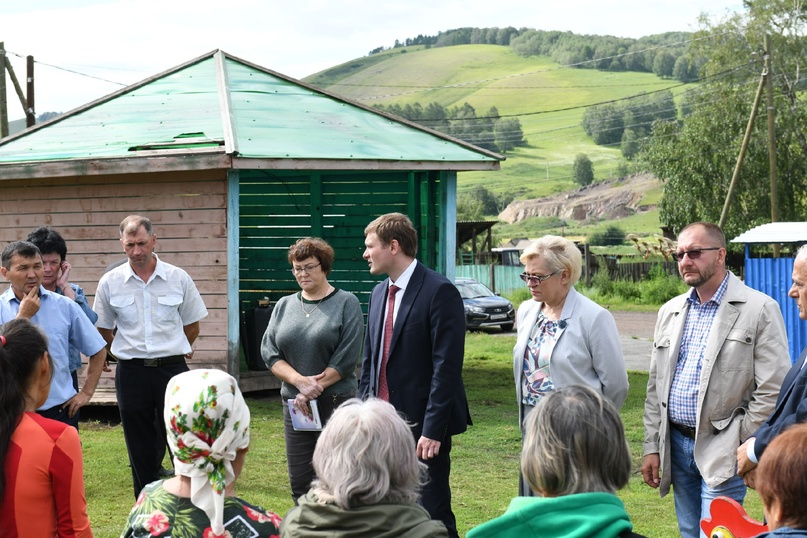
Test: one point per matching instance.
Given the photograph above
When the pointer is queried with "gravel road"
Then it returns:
(636, 334)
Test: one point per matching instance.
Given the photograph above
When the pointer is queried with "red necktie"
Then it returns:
(383, 390)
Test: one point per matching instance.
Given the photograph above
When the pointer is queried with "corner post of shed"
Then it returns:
(233, 295)
(448, 224)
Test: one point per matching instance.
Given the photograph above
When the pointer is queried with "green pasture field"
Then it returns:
(548, 100)
(536, 90)
(484, 471)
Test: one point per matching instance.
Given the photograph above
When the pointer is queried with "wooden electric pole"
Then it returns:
(771, 136)
(3, 102)
(27, 103)
(30, 109)
(741, 157)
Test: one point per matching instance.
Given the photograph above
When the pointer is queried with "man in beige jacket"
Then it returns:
(719, 358)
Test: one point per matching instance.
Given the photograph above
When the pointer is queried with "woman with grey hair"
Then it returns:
(368, 478)
(575, 456)
(564, 338)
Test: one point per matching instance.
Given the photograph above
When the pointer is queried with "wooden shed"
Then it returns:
(232, 162)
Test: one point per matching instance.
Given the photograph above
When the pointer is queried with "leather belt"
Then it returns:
(689, 431)
(164, 361)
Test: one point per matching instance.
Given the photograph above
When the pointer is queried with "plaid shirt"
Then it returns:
(686, 382)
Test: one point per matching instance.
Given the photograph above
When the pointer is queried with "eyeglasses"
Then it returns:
(693, 254)
(535, 279)
(305, 269)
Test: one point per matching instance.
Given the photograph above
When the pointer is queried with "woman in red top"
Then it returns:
(42, 476)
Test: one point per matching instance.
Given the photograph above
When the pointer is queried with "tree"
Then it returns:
(630, 144)
(604, 123)
(681, 69)
(663, 65)
(695, 158)
(469, 208)
(583, 170)
(507, 134)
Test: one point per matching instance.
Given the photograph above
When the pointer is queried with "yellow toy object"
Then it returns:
(721, 532)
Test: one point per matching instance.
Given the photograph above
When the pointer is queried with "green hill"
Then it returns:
(548, 99)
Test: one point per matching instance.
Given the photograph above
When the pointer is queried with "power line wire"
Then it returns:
(73, 71)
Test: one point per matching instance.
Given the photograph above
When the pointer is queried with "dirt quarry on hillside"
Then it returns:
(612, 199)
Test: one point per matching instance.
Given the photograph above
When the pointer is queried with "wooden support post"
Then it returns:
(733, 185)
(771, 136)
(3, 102)
(30, 108)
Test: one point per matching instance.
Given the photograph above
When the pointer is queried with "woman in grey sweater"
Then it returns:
(312, 344)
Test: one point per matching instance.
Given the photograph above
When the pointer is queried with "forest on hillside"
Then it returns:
(489, 131)
(666, 55)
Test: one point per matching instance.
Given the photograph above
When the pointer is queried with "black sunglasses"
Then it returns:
(693, 254)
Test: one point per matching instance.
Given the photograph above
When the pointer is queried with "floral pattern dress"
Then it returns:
(158, 513)
(537, 377)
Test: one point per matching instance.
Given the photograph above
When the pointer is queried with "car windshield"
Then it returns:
(472, 290)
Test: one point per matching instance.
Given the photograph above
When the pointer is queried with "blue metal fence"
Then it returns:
(772, 276)
(499, 278)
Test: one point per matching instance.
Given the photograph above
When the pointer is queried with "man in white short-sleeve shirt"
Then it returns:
(156, 310)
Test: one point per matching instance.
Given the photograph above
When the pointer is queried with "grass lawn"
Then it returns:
(484, 468)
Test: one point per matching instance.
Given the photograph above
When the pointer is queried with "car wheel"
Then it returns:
(506, 327)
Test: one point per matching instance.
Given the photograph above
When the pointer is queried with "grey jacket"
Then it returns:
(745, 361)
(588, 351)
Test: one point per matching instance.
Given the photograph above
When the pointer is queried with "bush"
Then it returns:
(661, 287)
(602, 281)
(613, 235)
(518, 296)
(656, 289)
(627, 290)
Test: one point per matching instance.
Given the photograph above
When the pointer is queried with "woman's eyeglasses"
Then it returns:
(305, 269)
(693, 254)
(535, 279)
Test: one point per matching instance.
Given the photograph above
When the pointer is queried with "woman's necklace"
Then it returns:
(302, 303)
(306, 312)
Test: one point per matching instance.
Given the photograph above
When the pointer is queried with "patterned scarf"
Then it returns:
(207, 420)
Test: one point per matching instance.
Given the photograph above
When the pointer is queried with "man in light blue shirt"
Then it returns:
(56, 278)
(63, 322)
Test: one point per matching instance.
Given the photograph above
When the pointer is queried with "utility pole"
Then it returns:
(3, 102)
(27, 103)
(30, 109)
(771, 136)
(746, 138)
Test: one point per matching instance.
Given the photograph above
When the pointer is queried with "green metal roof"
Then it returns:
(219, 104)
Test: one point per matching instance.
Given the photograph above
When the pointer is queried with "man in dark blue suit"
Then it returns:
(791, 406)
(421, 372)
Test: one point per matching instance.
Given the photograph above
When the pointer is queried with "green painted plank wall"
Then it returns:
(278, 207)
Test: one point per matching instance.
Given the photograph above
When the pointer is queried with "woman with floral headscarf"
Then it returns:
(207, 422)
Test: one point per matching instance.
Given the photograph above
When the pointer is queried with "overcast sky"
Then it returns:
(125, 41)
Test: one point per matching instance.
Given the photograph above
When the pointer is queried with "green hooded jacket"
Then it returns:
(312, 518)
(582, 515)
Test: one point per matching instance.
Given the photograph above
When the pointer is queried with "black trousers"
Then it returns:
(59, 412)
(141, 396)
(300, 444)
(435, 496)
